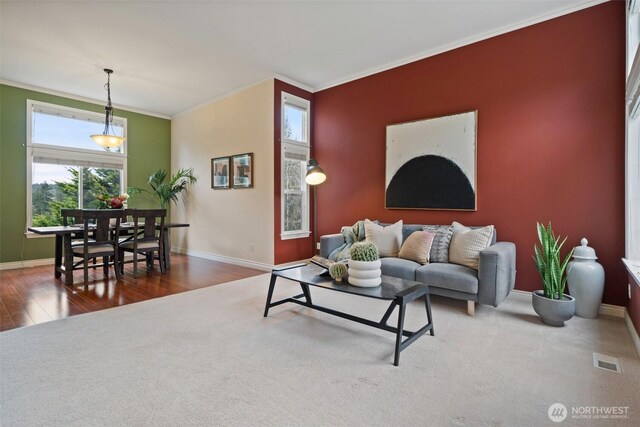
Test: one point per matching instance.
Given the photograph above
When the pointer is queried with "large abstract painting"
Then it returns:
(431, 163)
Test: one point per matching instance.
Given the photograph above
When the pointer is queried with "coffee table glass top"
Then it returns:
(310, 275)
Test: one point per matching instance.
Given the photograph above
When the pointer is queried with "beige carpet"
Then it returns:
(208, 357)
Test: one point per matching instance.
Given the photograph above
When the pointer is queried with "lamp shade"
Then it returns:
(315, 174)
(107, 141)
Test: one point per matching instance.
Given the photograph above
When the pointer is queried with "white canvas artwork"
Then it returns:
(431, 163)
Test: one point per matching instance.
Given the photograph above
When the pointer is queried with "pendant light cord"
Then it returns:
(108, 119)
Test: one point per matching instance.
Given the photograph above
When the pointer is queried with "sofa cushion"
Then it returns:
(440, 247)
(417, 246)
(448, 276)
(387, 239)
(466, 244)
(398, 267)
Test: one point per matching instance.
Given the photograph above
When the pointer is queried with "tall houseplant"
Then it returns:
(167, 192)
(552, 304)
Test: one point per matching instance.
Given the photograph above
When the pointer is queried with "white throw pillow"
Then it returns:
(387, 239)
(466, 244)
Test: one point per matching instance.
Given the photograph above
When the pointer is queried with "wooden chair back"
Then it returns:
(152, 229)
(71, 216)
(100, 221)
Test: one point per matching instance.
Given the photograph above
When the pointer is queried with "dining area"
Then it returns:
(107, 239)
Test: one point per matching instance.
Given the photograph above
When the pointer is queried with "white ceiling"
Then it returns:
(169, 56)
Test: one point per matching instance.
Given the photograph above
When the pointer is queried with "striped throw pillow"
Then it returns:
(440, 247)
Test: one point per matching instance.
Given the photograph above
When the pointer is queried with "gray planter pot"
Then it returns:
(552, 311)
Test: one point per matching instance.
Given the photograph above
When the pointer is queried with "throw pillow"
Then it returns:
(466, 244)
(417, 247)
(387, 239)
(440, 247)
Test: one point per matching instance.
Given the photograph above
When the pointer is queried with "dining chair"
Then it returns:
(147, 238)
(74, 217)
(104, 225)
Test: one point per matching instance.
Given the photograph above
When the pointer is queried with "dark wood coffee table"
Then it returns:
(400, 292)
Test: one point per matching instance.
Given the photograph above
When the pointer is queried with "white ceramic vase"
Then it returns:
(585, 279)
(365, 274)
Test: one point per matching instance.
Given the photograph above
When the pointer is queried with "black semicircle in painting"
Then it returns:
(430, 182)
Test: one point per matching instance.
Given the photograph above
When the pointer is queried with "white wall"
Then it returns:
(231, 223)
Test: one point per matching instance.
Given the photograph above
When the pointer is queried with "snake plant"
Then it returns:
(549, 262)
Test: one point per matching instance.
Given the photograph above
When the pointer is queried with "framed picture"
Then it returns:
(220, 173)
(242, 170)
(431, 163)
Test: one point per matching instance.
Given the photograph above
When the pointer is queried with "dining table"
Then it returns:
(64, 235)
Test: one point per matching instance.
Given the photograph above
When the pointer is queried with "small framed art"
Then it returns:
(242, 170)
(220, 173)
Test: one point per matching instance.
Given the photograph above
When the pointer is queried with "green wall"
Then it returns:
(148, 145)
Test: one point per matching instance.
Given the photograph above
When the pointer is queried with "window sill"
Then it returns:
(633, 267)
(30, 235)
(299, 235)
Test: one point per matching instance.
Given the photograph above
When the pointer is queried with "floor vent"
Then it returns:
(608, 363)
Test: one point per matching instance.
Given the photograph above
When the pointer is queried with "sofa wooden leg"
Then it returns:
(471, 308)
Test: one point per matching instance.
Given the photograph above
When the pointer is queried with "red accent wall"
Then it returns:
(293, 249)
(550, 147)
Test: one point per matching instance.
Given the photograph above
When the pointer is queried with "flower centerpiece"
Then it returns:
(107, 201)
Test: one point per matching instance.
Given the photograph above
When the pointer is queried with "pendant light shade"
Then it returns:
(108, 139)
(315, 174)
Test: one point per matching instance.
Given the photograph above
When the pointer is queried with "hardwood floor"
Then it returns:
(33, 295)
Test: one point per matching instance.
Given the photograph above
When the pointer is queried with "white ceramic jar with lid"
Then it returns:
(585, 278)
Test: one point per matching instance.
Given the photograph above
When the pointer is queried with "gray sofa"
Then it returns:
(489, 285)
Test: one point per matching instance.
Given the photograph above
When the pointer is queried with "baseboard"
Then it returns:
(605, 309)
(29, 263)
(612, 310)
(632, 331)
(227, 259)
(26, 263)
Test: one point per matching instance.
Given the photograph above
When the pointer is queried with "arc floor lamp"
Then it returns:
(315, 176)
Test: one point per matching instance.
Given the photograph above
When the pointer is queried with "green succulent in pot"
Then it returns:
(338, 271)
(364, 251)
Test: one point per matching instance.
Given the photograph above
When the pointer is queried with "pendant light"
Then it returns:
(108, 139)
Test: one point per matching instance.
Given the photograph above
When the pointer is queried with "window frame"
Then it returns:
(632, 133)
(71, 153)
(299, 147)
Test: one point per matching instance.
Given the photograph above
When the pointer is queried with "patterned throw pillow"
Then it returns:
(440, 246)
(417, 246)
(466, 244)
(387, 239)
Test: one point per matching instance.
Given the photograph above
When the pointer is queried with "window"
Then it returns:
(295, 150)
(65, 168)
(633, 133)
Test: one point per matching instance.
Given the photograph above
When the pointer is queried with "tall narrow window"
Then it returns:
(294, 157)
(65, 168)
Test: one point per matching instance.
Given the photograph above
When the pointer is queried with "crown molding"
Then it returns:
(242, 89)
(80, 98)
(464, 42)
(219, 98)
(294, 83)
